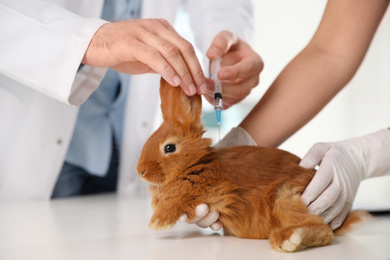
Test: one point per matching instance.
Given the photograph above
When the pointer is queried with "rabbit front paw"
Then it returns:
(161, 223)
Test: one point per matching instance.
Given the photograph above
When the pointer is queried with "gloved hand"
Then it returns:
(237, 136)
(342, 166)
(204, 218)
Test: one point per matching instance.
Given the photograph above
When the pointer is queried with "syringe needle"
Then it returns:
(219, 132)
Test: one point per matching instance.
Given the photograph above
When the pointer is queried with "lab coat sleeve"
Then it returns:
(42, 45)
(208, 18)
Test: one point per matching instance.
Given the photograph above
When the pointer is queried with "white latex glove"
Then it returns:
(342, 166)
(237, 136)
(204, 218)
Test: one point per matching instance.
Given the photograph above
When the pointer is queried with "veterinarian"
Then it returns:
(64, 105)
(303, 88)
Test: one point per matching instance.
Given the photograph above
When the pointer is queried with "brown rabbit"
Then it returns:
(256, 190)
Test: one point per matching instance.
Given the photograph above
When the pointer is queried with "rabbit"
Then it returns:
(256, 190)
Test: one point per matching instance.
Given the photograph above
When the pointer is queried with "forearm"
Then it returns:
(318, 73)
(302, 89)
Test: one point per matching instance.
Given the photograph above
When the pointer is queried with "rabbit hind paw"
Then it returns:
(291, 243)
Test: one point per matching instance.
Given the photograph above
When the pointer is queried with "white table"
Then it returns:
(110, 227)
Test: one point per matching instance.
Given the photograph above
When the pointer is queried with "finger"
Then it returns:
(221, 43)
(317, 185)
(131, 52)
(227, 102)
(324, 201)
(133, 68)
(209, 98)
(165, 23)
(178, 52)
(188, 54)
(339, 220)
(153, 58)
(208, 220)
(208, 94)
(247, 67)
(217, 226)
(335, 209)
(234, 92)
(314, 156)
(172, 54)
(239, 89)
(183, 218)
(200, 211)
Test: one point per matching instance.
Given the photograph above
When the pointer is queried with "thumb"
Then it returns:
(322, 177)
(314, 156)
(221, 44)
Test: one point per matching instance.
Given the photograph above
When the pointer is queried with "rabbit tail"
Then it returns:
(353, 221)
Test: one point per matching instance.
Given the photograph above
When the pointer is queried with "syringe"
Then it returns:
(218, 104)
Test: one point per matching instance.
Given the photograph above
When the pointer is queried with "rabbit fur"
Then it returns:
(256, 190)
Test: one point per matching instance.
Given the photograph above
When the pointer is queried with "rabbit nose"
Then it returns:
(142, 173)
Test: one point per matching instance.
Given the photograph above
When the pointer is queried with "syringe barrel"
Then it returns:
(218, 104)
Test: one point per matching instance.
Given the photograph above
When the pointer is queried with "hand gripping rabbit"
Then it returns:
(256, 190)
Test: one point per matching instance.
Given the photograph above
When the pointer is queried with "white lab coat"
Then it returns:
(40, 87)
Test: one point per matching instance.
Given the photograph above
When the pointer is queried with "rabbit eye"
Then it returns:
(170, 148)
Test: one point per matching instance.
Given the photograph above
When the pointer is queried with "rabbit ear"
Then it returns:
(177, 106)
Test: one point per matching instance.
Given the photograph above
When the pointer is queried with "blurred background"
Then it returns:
(282, 29)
